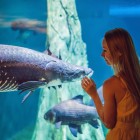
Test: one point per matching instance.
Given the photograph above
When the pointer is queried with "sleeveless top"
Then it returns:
(128, 119)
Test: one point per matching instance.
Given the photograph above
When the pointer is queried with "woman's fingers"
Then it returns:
(86, 83)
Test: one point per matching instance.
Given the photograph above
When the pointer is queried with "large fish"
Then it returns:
(26, 70)
(73, 113)
(27, 28)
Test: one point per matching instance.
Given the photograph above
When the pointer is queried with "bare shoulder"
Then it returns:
(113, 87)
(111, 83)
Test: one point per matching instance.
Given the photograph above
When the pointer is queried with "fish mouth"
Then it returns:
(50, 116)
(89, 72)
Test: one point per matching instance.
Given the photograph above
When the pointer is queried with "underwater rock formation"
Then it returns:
(63, 39)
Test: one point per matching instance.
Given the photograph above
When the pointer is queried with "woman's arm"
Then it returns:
(107, 112)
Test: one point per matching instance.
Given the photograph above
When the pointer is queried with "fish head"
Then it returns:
(18, 25)
(50, 116)
(73, 73)
(66, 72)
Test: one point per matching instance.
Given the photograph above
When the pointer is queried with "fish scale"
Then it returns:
(7, 82)
(26, 70)
(74, 113)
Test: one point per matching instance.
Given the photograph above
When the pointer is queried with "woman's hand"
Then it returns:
(89, 86)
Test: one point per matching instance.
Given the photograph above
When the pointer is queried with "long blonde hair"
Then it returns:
(126, 62)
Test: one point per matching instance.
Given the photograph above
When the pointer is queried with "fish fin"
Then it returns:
(21, 91)
(23, 35)
(30, 85)
(58, 124)
(73, 129)
(60, 56)
(60, 86)
(80, 130)
(94, 123)
(54, 87)
(78, 98)
(26, 96)
(48, 52)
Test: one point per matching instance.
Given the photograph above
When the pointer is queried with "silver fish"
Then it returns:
(26, 70)
(73, 113)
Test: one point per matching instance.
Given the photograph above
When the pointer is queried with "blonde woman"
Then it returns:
(121, 92)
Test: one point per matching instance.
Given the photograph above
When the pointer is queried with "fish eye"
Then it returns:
(83, 72)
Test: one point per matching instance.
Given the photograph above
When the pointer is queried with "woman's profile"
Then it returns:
(121, 92)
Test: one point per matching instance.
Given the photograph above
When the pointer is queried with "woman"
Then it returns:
(121, 110)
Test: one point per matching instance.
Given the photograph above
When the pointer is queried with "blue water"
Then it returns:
(95, 17)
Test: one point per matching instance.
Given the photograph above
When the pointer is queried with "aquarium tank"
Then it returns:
(70, 30)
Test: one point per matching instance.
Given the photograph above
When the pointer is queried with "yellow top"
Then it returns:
(128, 119)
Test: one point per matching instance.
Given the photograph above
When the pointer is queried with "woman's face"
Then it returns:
(106, 53)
